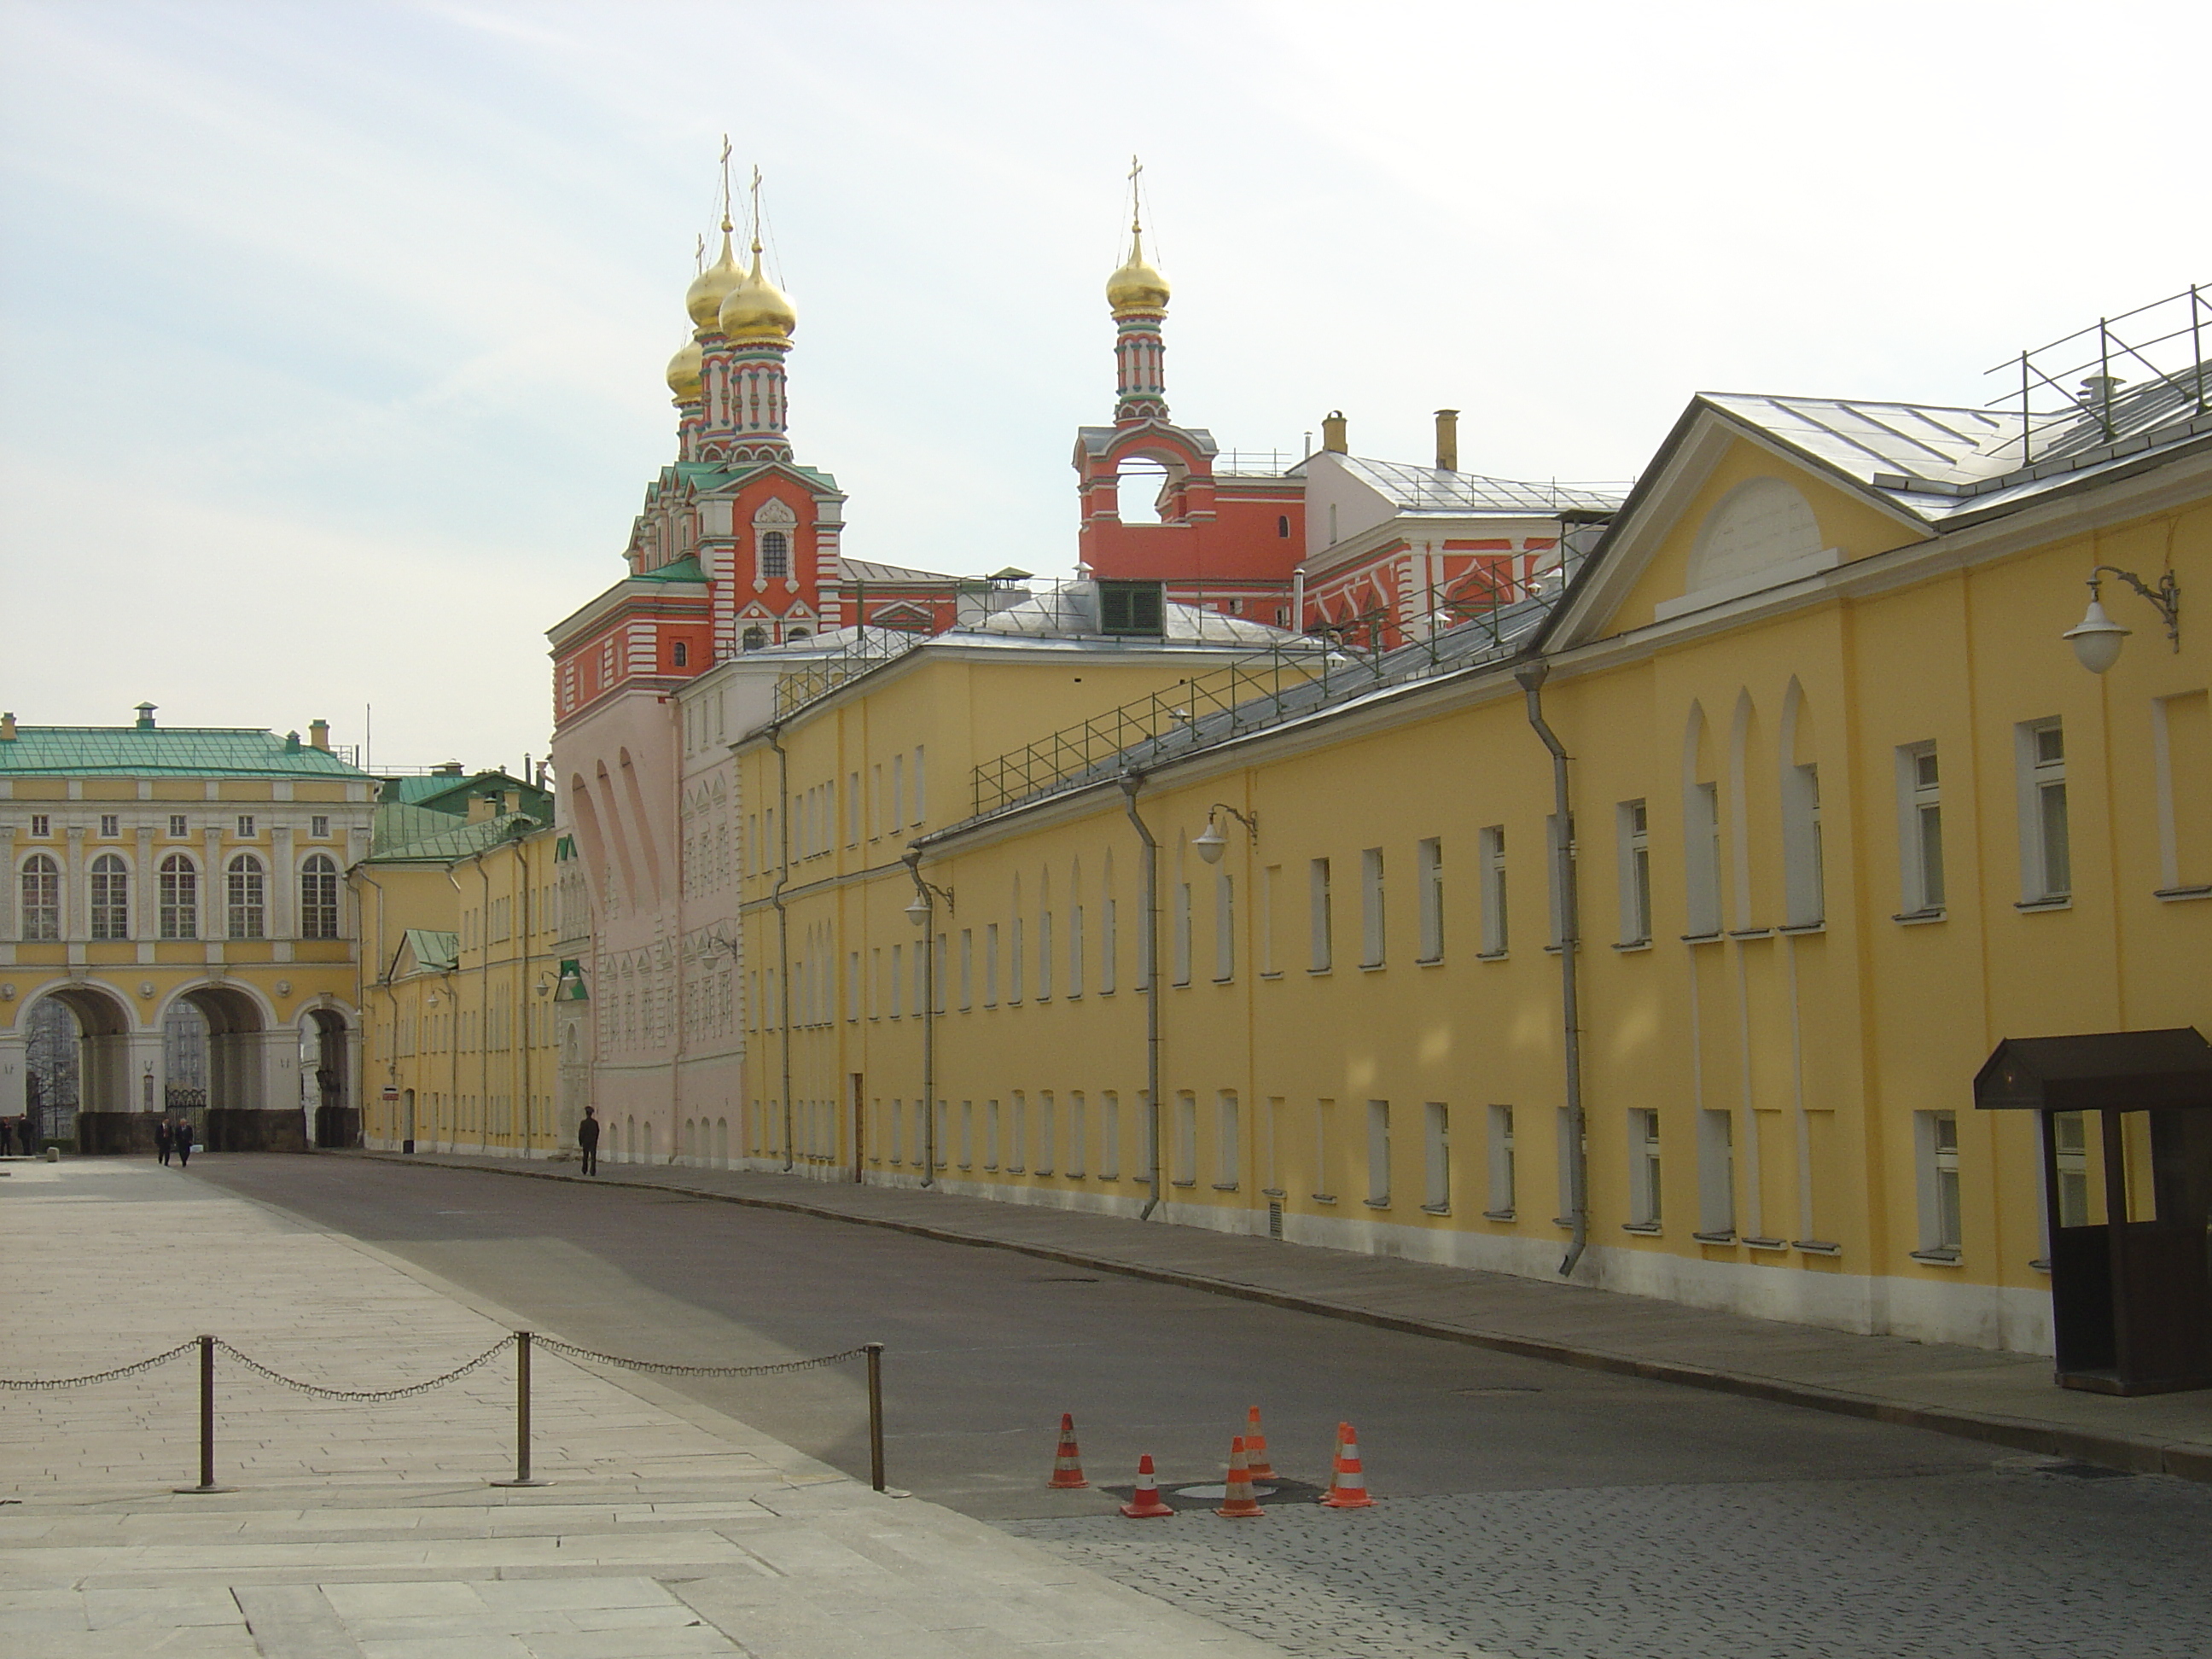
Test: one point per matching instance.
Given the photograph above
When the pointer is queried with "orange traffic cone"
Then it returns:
(1239, 1505)
(1144, 1502)
(1067, 1462)
(1255, 1446)
(1347, 1485)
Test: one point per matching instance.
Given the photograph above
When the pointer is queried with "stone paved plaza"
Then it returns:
(2032, 1559)
(369, 1531)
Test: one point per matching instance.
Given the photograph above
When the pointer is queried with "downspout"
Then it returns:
(453, 1031)
(1532, 676)
(484, 1010)
(783, 927)
(391, 1053)
(522, 981)
(1130, 782)
(913, 857)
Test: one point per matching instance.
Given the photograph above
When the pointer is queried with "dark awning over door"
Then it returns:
(2102, 1071)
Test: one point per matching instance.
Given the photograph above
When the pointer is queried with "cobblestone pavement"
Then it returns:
(2029, 1559)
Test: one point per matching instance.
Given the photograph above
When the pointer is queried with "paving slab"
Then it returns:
(2007, 1399)
(369, 1529)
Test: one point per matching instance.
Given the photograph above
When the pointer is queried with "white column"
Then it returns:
(145, 1072)
(15, 1071)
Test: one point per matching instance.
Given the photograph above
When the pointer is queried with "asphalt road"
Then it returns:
(1529, 1510)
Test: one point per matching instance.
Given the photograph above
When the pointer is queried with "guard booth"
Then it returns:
(2127, 1188)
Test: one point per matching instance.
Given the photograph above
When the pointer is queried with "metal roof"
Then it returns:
(2098, 1071)
(867, 570)
(451, 838)
(434, 950)
(200, 751)
(1433, 489)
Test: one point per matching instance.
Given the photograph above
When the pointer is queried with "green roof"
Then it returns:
(435, 950)
(455, 840)
(418, 787)
(685, 569)
(189, 751)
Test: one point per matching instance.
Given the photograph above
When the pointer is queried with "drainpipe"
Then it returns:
(783, 927)
(1532, 676)
(392, 1054)
(1130, 782)
(453, 1031)
(913, 857)
(484, 1012)
(522, 976)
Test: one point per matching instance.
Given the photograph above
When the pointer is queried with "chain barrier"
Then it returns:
(572, 1351)
(178, 1351)
(370, 1395)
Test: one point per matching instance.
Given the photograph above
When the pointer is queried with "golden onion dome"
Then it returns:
(703, 299)
(683, 374)
(1136, 286)
(757, 309)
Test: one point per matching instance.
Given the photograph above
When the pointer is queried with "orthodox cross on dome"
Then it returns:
(1138, 297)
(726, 184)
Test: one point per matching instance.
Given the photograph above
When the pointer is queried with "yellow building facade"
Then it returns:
(463, 916)
(1844, 813)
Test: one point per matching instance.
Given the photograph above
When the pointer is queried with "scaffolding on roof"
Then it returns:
(2162, 343)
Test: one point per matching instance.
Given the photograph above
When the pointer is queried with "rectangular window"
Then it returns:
(1079, 1136)
(1491, 849)
(1131, 607)
(1717, 1175)
(967, 1134)
(967, 968)
(2069, 1131)
(1936, 1144)
(245, 827)
(1044, 955)
(897, 1136)
(1017, 1123)
(1557, 838)
(318, 827)
(2046, 863)
(1014, 960)
(1563, 1129)
(1225, 927)
(111, 825)
(898, 978)
(1181, 919)
(1920, 829)
(1048, 1123)
(41, 917)
(1075, 950)
(1318, 920)
(1632, 825)
(1501, 1164)
(991, 964)
(1324, 1140)
(1228, 1142)
(1271, 877)
(41, 825)
(1109, 1136)
(898, 794)
(880, 800)
(181, 898)
(1378, 1154)
(2181, 744)
(1429, 872)
(1183, 1171)
(1370, 907)
(921, 789)
(1109, 936)
(852, 808)
(1643, 1188)
(851, 985)
(1436, 1158)
(1701, 859)
(990, 1134)
(177, 826)
(1803, 875)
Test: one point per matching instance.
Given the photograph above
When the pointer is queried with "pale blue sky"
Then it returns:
(331, 333)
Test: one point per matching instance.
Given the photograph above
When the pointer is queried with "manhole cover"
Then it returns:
(1205, 1493)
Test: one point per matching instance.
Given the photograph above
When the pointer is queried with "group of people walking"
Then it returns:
(174, 1134)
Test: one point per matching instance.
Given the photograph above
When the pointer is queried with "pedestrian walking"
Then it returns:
(6, 1124)
(587, 1140)
(184, 1142)
(161, 1139)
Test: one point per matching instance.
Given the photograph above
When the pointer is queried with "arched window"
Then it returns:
(180, 897)
(681, 654)
(755, 638)
(791, 634)
(775, 553)
(318, 898)
(111, 897)
(249, 904)
(42, 897)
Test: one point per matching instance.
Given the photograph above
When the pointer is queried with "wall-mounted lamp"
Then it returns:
(918, 912)
(1210, 841)
(2097, 638)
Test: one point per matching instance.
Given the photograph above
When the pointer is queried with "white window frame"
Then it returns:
(1500, 1159)
(1228, 1142)
(1183, 1172)
(1078, 1135)
(39, 885)
(1633, 833)
(1107, 942)
(1936, 1149)
(2045, 841)
(109, 883)
(1701, 859)
(322, 903)
(1374, 933)
(1435, 1157)
(1378, 1155)
(1225, 927)
(1804, 874)
(1646, 1191)
(178, 828)
(1491, 856)
(1429, 879)
(967, 968)
(179, 883)
(1109, 1135)
(1715, 1175)
(1922, 880)
(1181, 918)
(990, 964)
(1319, 920)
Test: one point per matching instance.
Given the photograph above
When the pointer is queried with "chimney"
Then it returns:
(484, 806)
(291, 741)
(1448, 440)
(450, 769)
(1332, 433)
(146, 716)
(8, 726)
(510, 800)
(318, 734)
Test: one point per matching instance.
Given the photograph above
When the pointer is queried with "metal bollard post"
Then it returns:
(207, 1422)
(521, 1415)
(876, 1415)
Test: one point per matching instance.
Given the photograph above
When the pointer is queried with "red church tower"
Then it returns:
(1227, 540)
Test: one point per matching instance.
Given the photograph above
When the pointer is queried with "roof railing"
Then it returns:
(2074, 382)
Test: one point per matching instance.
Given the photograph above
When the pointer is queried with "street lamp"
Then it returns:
(2097, 638)
(918, 912)
(1210, 841)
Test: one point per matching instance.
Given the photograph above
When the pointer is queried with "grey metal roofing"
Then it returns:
(867, 570)
(1070, 610)
(455, 838)
(435, 950)
(1939, 463)
(1432, 489)
(195, 751)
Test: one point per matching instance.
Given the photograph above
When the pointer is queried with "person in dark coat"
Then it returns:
(161, 1139)
(183, 1141)
(587, 1139)
(6, 1125)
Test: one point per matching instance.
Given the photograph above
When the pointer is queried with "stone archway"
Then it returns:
(245, 1112)
(109, 1118)
(327, 1054)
